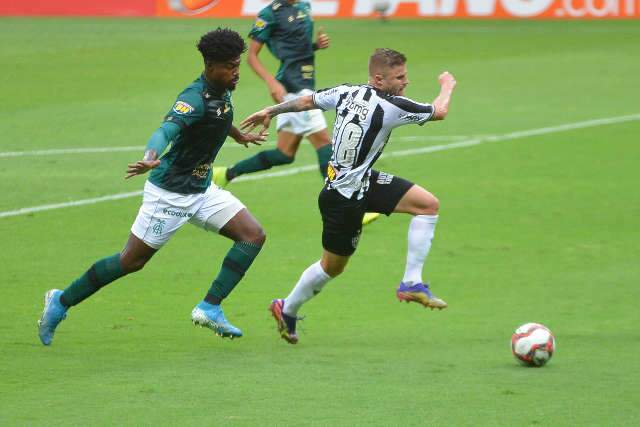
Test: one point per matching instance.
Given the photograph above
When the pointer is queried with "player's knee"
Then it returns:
(131, 265)
(429, 205)
(255, 235)
(332, 269)
(434, 205)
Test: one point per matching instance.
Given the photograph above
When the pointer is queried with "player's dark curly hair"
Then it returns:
(221, 45)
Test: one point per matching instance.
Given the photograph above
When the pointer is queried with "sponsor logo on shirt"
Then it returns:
(182, 107)
(260, 24)
(410, 117)
(359, 108)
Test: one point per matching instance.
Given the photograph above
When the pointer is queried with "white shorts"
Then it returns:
(163, 212)
(303, 123)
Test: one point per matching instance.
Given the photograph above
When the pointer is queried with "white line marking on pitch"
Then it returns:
(401, 153)
(140, 148)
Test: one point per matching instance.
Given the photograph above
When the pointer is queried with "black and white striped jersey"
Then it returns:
(365, 118)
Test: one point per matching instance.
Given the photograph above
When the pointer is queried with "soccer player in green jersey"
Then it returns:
(286, 27)
(179, 190)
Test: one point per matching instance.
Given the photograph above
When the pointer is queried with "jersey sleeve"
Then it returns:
(263, 26)
(187, 110)
(328, 99)
(410, 111)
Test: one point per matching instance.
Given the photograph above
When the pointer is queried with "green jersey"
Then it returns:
(204, 115)
(287, 30)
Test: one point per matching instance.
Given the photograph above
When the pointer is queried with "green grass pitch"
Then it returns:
(540, 228)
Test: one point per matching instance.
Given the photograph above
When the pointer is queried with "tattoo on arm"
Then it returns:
(285, 107)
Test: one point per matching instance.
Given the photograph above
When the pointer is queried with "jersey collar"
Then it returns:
(211, 87)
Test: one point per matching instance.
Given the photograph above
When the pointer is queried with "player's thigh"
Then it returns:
(244, 227)
(319, 139)
(217, 209)
(386, 192)
(288, 142)
(418, 201)
(135, 254)
(162, 213)
(341, 222)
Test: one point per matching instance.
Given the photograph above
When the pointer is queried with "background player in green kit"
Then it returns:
(286, 27)
(179, 190)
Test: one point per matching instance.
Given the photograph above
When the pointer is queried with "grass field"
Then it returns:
(539, 228)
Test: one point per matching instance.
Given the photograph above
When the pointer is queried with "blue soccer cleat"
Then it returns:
(54, 313)
(211, 316)
(421, 294)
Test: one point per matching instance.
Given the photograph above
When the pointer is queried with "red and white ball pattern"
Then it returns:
(533, 344)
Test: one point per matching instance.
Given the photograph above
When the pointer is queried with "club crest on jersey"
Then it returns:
(182, 107)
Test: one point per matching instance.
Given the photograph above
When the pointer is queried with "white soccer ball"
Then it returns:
(533, 344)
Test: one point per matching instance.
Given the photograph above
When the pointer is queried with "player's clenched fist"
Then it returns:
(447, 78)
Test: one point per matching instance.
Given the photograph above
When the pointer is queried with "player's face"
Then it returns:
(395, 80)
(225, 74)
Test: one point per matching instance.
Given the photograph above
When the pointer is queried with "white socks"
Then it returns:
(421, 231)
(311, 282)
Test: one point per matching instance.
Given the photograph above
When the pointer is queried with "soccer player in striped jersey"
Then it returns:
(286, 28)
(365, 116)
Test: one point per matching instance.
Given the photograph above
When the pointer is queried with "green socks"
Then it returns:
(324, 155)
(100, 274)
(235, 264)
(261, 161)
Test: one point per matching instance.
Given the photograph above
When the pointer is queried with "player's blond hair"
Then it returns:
(383, 58)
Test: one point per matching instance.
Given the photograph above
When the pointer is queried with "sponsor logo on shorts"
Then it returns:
(158, 227)
(355, 241)
(177, 213)
(384, 178)
(182, 107)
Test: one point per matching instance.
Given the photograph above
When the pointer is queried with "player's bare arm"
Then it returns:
(442, 101)
(245, 138)
(264, 116)
(275, 87)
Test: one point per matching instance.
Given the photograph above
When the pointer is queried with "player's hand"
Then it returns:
(277, 91)
(141, 167)
(322, 39)
(447, 78)
(251, 138)
(262, 117)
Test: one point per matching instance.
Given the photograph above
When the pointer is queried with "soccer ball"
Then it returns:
(533, 344)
